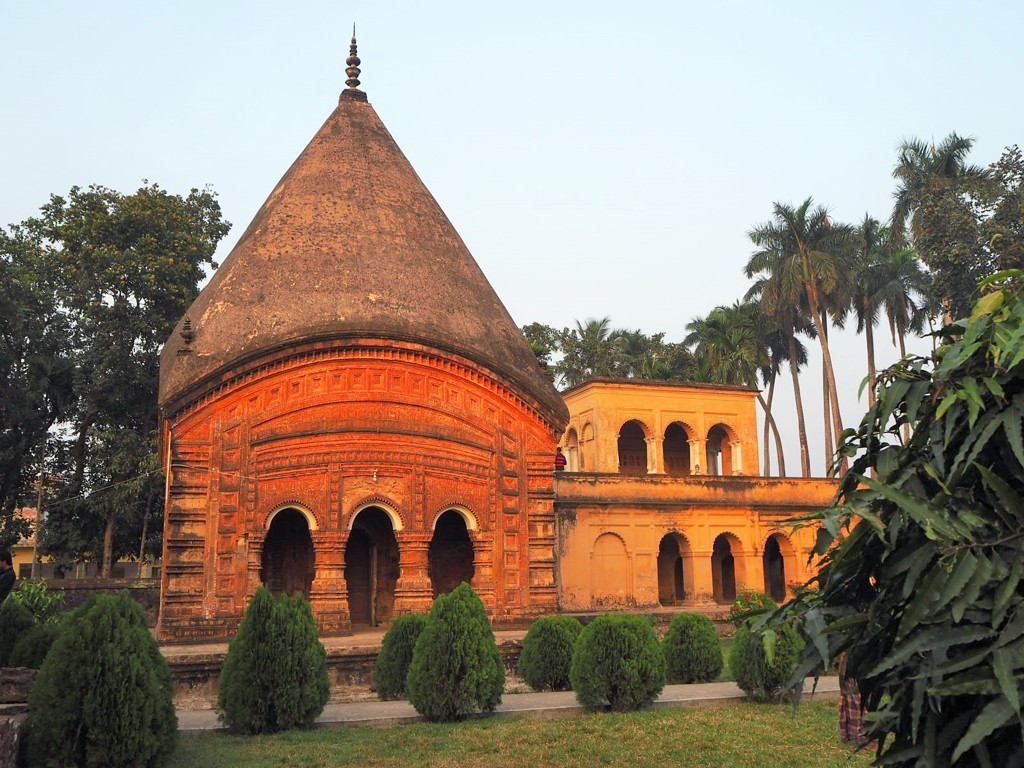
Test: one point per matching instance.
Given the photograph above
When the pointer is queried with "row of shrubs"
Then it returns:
(103, 696)
(616, 660)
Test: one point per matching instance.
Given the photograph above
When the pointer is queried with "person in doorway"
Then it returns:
(7, 575)
(559, 460)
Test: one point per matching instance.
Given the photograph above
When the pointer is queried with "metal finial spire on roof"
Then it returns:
(352, 70)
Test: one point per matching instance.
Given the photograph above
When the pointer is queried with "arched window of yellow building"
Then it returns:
(572, 451)
(719, 451)
(632, 449)
(677, 450)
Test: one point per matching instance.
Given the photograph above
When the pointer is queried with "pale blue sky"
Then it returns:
(597, 159)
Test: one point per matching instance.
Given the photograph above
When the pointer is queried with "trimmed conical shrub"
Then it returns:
(618, 661)
(546, 656)
(275, 675)
(456, 666)
(392, 665)
(693, 653)
(102, 698)
(764, 680)
(15, 620)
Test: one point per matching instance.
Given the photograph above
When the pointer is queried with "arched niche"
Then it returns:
(777, 550)
(726, 567)
(718, 453)
(609, 569)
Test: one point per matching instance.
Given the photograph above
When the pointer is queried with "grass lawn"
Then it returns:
(734, 736)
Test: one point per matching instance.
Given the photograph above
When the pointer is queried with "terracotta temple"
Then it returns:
(349, 411)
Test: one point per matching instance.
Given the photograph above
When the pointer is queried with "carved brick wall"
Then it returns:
(332, 431)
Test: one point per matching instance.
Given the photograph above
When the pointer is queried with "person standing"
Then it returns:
(7, 575)
(559, 460)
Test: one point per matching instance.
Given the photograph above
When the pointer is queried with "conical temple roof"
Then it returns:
(350, 244)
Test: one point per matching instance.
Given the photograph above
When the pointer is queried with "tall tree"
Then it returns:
(933, 210)
(805, 256)
(123, 269)
(790, 321)
(35, 376)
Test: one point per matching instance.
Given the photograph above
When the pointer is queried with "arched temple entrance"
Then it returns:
(450, 555)
(675, 569)
(632, 449)
(774, 569)
(287, 565)
(371, 568)
(723, 569)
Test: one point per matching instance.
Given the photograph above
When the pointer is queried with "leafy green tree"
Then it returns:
(35, 375)
(1002, 210)
(588, 350)
(922, 581)
(933, 211)
(117, 271)
(102, 698)
(805, 258)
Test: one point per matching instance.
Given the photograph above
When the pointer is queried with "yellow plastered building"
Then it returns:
(661, 503)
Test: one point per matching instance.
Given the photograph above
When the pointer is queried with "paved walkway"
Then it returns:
(560, 704)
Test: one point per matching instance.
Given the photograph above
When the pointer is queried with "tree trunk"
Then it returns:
(830, 376)
(869, 335)
(769, 421)
(108, 546)
(794, 369)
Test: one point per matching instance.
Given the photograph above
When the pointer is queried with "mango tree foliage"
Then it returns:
(121, 270)
(922, 584)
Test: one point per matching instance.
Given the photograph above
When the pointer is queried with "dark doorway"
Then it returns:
(371, 568)
(450, 554)
(632, 449)
(774, 570)
(723, 570)
(671, 582)
(287, 566)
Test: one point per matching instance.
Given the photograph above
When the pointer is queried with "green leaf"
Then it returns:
(996, 714)
(1004, 668)
(924, 514)
(988, 304)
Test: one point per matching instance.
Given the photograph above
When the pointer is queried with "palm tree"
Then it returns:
(903, 294)
(871, 244)
(731, 341)
(934, 198)
(922, 170)
(789, 321)
(589, 350)
(805, 258)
